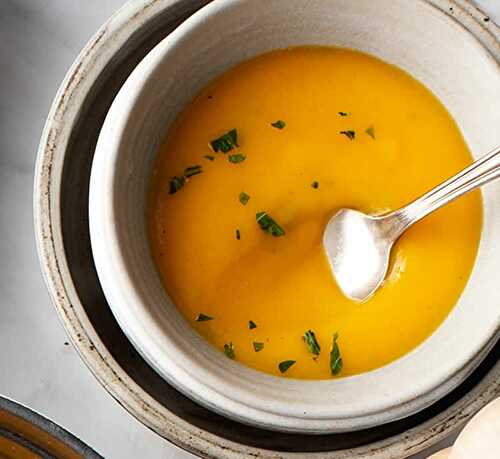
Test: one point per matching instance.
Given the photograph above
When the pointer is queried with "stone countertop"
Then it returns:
(39, 39)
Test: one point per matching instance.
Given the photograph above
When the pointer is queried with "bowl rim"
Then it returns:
(42, 435)
(60, 123)
(208, 385)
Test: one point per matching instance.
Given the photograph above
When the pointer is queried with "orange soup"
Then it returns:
(252, 170)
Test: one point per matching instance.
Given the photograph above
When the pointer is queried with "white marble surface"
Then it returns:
(38, 41)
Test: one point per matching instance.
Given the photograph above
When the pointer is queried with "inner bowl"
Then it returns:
(412, 35)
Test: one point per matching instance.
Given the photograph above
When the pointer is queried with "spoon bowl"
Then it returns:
(358, 248)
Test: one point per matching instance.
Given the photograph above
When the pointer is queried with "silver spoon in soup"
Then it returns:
(358, 245)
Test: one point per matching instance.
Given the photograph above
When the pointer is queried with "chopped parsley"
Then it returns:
(209, 157)
(285, 365)
(192, 170)
(344, 113)
(258, 346)
(312, 342)
(351, 135)
(237, 158)
(252, 324)
(371, 132)
(244, 198)
(176, 184)
(238, 234)
(280, 124)
(335, 358)
(225, 142)
(267, 223)
(315, 185)
(203, 318)
(229, 350)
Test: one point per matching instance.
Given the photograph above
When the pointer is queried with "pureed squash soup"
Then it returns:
(251, 172)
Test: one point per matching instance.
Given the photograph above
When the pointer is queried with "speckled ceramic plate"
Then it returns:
(61, 199)
(25, 434)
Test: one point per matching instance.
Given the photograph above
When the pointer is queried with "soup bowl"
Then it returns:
(416, 37)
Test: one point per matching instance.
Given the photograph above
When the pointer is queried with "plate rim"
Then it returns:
(49, 239)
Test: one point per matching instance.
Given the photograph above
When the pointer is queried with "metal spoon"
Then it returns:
(359, 245)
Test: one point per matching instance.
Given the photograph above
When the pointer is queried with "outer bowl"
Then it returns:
(412, 35)
(67, 147)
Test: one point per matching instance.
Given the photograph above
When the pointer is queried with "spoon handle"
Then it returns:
(482, 171)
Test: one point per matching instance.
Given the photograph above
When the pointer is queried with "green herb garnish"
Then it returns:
(229, 350)
(244, 198)
(203, 318)
(238, 234)
(192, 170)
(344, 113)
(371, 132)
(267, 223)
(176, 184)
(335, 358)
(209, 157)
(237, 158)
(225, 142)
(284, 366)
(312, 342)
(349, 134)
(252, 324)
(258, 346)
(315, 185)
(280, 124)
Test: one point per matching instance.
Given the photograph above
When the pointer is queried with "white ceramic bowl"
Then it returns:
(411, 34)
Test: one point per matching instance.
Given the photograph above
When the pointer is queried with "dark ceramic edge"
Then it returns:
(48, 426)
(49, 242)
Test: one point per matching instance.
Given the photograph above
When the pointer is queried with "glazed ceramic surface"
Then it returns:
(411, 35)
(62, 181)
